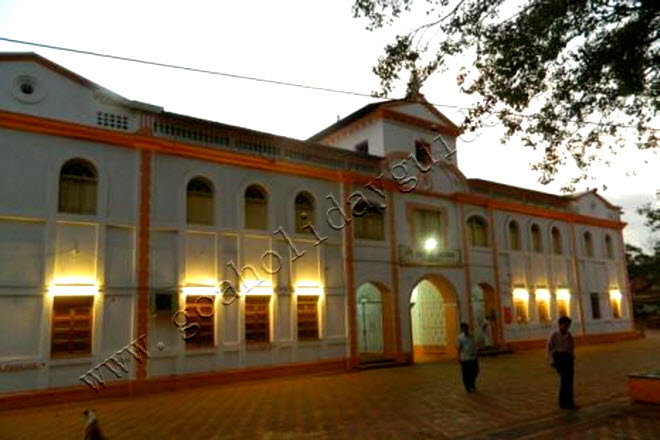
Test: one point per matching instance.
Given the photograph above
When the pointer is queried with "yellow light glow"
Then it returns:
(542, 295)
(309, 290)
(520, 294)
(430, 244)
(195, 290)
(615, 294)
(74, 281)
(73, 290)
(563, 295)
(256, 287)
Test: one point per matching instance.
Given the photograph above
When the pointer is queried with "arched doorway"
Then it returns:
(486, 322)
(433, 319)
(370, 321)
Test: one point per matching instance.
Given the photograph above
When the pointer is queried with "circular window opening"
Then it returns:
(27, 88)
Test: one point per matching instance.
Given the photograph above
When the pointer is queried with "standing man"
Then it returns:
(467, 355)
(560, 356)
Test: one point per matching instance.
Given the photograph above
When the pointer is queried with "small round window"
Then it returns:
(28, 90)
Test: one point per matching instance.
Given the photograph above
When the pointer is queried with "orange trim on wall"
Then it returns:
(350, 286)
(143, 141)
(160, 384)
(578, 287)
(537, 211)
(410, 213)
(139, 141)
(496, 276)
(466, 263)
(143, 255)
(589, 339)
(394, 272)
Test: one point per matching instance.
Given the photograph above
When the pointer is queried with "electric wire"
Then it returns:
(275, 82)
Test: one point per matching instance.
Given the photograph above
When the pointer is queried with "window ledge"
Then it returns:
(258, 346)
(65, 361)
(200, 351)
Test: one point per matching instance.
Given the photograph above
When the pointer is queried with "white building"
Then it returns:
(117, 216)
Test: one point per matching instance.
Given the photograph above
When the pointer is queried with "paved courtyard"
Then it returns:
(516, 398)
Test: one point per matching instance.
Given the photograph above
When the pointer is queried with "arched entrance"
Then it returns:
(433, 319)
(486, 322)
(371, 342)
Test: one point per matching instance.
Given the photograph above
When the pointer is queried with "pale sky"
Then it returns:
(310, 42)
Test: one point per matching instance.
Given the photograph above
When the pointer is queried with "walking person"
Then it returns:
(467, 356)
(560, 356)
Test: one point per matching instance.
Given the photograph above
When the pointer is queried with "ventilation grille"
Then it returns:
(112, 120)
(189, 134)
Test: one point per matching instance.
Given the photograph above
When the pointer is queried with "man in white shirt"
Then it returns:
(467, 355)
(560, 356)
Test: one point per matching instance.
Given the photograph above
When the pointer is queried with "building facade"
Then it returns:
(234, 250)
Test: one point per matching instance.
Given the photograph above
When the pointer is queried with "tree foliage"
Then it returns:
(573, 77)
(641, 266)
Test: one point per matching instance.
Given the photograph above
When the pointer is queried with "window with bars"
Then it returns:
(78, 187)
(72, 326)
(595, 305)
(308, 317)
(514, 236)
(477, 231)
(256, 208)
(304, 204)
(201, 310)
(371, 224)
(257, 319)
(199, 202)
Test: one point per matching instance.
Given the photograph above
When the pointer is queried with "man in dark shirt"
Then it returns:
(560, 356)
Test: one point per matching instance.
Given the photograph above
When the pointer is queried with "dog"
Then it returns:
(92, 428)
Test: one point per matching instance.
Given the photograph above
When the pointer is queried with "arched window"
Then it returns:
(256, 208)
(199, 202)
(537, 240)
(477, 231)
(78, 184)
(588, 244)
(556, 241)
(514, 236)
(304, 208)
(608, 246)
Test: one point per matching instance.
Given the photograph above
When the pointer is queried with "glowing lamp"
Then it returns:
(307, 288)
(521, 294)
(542, 294)
(73, 290)
(256, 287)
(197, 290)
(430, 244)
(615, 294)
(563, 295)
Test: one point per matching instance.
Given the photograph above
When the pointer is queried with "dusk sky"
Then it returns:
(315, 43)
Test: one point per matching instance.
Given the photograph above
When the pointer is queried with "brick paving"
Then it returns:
(516, 398)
